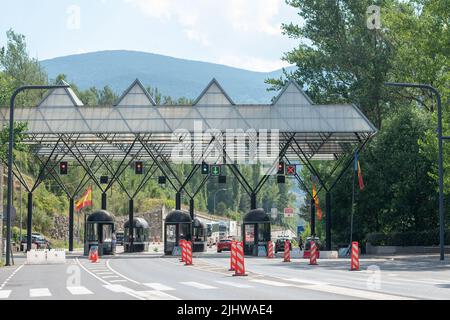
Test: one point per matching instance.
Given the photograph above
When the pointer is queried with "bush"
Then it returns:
(408, 238)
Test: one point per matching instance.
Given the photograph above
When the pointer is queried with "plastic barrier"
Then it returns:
(269, 249)
(313, 255)
(233, 256)
(93, 254)
(188, 253)
(354, 264)
(55, 256)
(287, 251)
(45, 256)
(240, 263)
(183, 250)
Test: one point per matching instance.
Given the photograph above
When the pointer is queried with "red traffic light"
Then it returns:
(63, 167)
(138, 167)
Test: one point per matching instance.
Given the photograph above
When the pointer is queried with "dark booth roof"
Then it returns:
(137, 223)
(256, 216)
(100, 216)
(198, 224)
(178, 216)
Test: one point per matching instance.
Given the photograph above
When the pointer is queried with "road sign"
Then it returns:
(291, 170)
(300, 229)
(288, 212)
(215, 170)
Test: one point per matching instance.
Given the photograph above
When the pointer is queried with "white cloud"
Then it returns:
(251, 63)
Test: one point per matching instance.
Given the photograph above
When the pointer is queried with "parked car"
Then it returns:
(119, 238)
(224, 245)
(37, 239)
(279, 244)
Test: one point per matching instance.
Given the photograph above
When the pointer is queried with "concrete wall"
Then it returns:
(380, 250)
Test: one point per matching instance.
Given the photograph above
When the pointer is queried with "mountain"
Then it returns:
(172, 76)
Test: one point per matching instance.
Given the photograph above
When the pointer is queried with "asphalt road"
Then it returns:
(153, 277)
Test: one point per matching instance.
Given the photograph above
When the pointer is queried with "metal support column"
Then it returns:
(178, 201)
(29, 219)
(328, 220)
(71, 207)
(313, 218)
(131, 224)
(103, 200)
(191, 208)
(253, 201)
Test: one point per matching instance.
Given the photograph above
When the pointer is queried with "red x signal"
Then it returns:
(291, 170)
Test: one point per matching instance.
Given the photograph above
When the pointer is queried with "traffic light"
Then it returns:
(280, 167)
(138, 167)
(222, 179)
(63, 167)
(161, 180)
(291, 170)
(205, 168)
(216, 170)
(281, 179)
(104, 179)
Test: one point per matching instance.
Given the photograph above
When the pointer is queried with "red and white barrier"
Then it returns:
(188, 253)
(240, 263)
(233, 256)
(313, 254)
(269, 249)
(287, 251)
(183, 250)
(354, 263)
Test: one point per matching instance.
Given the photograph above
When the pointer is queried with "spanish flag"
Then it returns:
(316, 202)
(358, 169)
(85, 200)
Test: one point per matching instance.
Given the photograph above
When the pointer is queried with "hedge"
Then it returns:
(409, 238)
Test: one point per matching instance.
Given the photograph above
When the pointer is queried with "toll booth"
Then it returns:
(255, 231)
(199, 235)
(177, 226)
(141, 231)
(99, 227)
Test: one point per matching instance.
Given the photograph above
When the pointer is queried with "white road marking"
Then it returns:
(104, 273)
(10, 277)
(306, 281)
(121, 280)
(79, 290)
(356, 293)
(117, 288)
(40, 292)
(109, 277)
(272, 283)
(198, 285)
(155, 295)
(158, 286)
(4, 294)
(234, 284)
(119, 274)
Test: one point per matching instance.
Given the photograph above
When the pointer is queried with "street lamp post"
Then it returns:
(215, 193)
(9, 199)
(440, 158)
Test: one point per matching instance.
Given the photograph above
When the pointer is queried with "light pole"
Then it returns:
(9, 199)
(215, 193)
(440, 158)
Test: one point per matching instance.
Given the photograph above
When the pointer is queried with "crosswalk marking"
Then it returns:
(198, 285)
(234, 284)
(4, 294)
(158, 286)
(117, 288)
(109, 277)
(155, 295)
(272, 283)
(120, 280)
(40, 292)
(79, 290)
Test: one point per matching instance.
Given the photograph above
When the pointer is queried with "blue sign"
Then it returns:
(300, 229)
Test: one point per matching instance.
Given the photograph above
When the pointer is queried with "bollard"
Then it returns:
(232, 256)
(240, 263)
(354, 263)
(183, 250)
(313, 254)
(287, 251)
(269, 249)
(188, 253)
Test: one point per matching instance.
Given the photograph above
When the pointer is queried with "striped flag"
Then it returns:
(316, 202)
(358, 169)
(85, 200)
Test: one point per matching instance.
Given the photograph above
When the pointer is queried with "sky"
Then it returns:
(239, 33)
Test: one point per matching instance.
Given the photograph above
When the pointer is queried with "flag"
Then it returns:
(316, 202)
(358, 169)
(85, 200)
